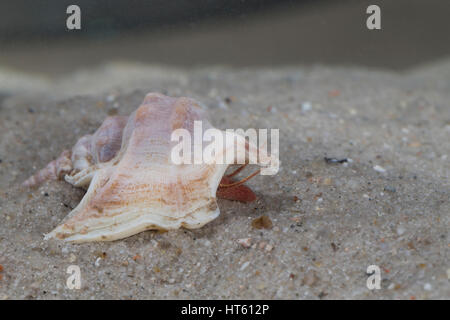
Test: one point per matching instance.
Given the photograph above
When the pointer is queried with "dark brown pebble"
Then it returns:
(262, 222)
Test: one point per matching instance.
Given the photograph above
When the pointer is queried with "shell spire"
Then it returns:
(55, 170)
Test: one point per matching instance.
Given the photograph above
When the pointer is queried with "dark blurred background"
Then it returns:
(34, 37)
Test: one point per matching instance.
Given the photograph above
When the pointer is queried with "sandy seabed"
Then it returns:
(386, 205)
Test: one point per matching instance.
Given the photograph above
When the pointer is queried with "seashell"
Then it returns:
(55, 170)
(132, 183)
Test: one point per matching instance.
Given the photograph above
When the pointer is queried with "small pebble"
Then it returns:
(335, 160)
(306, 106)
(245, 265)
(245, 242)
(310, 278)
(262, 222)
(111, 98)
(390, 189)
(229, 100)
(428, 287)
(72, 258)
(380, 169)
(400, 231)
